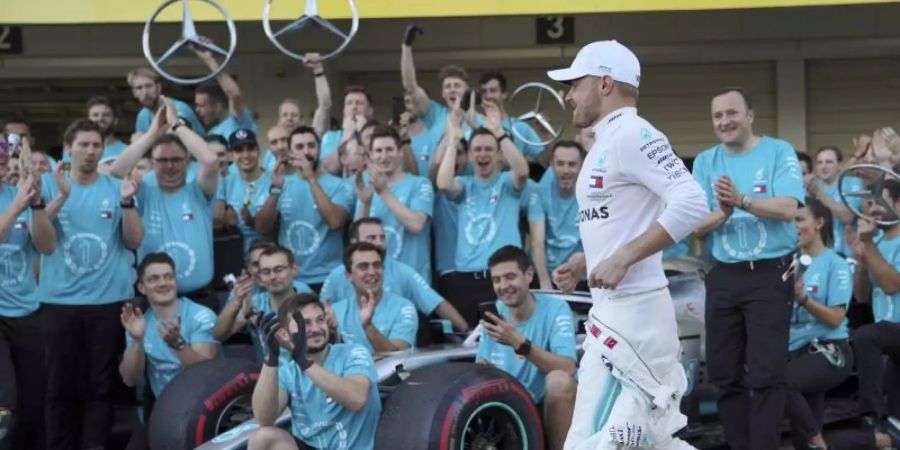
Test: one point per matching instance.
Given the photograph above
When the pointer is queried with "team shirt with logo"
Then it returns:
(768, 170)
(395, 317)
(446, 233)
(317, 419)
(628, 176)
(851, 184)
(197, 322)
(18, 287)
(417, 194)
(488, 219)
(236, 192)
(232, 123)
(436, 121)
(399, 279)
(317, 248)
(424, 146)
(179, 224)
(550, 327)
(560, 215)
(886, 306)
(90, 265)
(145, 118)
(829, 282)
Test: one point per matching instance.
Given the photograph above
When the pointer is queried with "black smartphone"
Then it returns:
(398, 107)
(67, 166)
(486, 307)
(466, 99)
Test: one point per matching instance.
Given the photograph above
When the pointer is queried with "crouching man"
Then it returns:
(533, 339)
(331, 389)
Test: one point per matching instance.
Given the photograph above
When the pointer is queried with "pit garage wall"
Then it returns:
(800, 64)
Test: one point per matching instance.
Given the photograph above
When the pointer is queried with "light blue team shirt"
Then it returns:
(267, 163)
(179, 224)
(550, 327)
(113, 150)
(18, 287)
(768, 170)
(488, 219)
(851, 184)
(262, 301)
(145, 118)
(149, 178)
(424, 146)
(321, 422)
(399, 279)
(680, 249)
(417, 194)
(197, 322)
(829, 282)
(436, 121)
(90, 265)
(317, 248)
(561, 217)
(330, 142)
(236, 192)
(884, 306)
(231, 124)
(446, 228)
(395, 317)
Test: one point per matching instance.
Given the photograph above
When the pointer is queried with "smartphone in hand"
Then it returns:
(486, 307)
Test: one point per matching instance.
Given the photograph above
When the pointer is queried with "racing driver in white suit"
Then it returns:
(635, 197)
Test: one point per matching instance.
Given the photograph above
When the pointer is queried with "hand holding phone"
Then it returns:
(487, 307)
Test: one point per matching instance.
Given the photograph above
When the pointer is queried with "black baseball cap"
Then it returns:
(241, 137)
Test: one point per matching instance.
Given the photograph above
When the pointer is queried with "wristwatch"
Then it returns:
(746, 202)
(40, 204)
(274, 190)
(178, 124)
(180, 345)
(524, 348)
(127, 205)
(502, 137)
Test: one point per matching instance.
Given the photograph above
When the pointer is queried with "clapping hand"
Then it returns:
(133, 321)
(299, 341)
(266, 328)
(170, 332)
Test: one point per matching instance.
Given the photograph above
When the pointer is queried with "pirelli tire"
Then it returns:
(459, 406)
(204, 400)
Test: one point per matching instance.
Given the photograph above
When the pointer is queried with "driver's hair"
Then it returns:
(154, 258)
(360, 247)
(510, 253)
(833, 148)
(820, 211)
(275, 249)
(295, 304)
(169, 139)
(141, 72)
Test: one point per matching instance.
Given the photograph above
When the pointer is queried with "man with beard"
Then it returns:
(532, 337)
(403, 202)
(147, 90)
(243, 192)
(82, 284)
(100, 111)
(754, 186)
(488, 206)
(823, 186)
(422, 142)
(332, 389)
(220, 105)
(312, 210)
(172, 335)
(23, 218)
(398, 277)
(370, 316)
(178, 214)
(556, 236)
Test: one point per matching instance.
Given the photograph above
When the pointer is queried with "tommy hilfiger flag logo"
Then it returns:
(813, 289)
(759, 188)
(596, 182)
(106, 214)
(20, 225)
(187, 216)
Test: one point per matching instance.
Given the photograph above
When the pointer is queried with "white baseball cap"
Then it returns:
(602, 58)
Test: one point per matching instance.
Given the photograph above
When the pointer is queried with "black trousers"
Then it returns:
(83, 344)
(747, 327)
(871, 343)
(465, 290)
(22, 379)
(808, 377)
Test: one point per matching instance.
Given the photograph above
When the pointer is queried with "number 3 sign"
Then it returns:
(555, 30)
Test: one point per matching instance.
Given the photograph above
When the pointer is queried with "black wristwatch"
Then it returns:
(127, 205)
(524, 348)
(40, 205)
(178, 124)
(180, 345)
(502, 137)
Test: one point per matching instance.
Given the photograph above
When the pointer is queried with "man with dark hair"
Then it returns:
(101, 111)
(332, 389)
(753, 185)
(238, 308)
(147, 90)
(403, 202)
(532, 337)
(806, 164)
(241, 194)
(83, 283)
(178, 213)
(380, 320)
(220, 106)
(18, 126)
(493, 89)
(488, 206)
(555, 237)
(823, 186)
(23, 219)
(357, 112)
(174, 334)
(312, 212)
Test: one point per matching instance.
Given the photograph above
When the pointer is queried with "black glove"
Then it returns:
(266, 327)
(411, 31)
(299, 340)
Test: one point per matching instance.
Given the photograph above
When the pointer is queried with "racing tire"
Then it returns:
(458, 406)
(202, 401)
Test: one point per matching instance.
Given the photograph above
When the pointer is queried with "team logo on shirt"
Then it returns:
(812, 289)
(303, 239)
(759, 187)
(596, 182)
(13, 265)
(394, 240)
(84, 253)
(184, 256)
(480, 229)
(186, 213)
(105, 211)
(20, 225)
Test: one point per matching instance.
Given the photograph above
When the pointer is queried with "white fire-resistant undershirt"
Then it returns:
(631, 178)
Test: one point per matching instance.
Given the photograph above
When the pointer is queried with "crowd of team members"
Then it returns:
(370, 217)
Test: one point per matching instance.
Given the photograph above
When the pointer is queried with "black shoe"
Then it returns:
(892, 429)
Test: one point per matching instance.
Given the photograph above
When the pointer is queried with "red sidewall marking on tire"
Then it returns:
(199, 431)
(221, 396)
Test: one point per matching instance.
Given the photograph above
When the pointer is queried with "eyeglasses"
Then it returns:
(277, 270)
(168, 161)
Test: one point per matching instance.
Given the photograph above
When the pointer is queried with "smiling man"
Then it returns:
(242, 193)
(824, 187)
(147, 90)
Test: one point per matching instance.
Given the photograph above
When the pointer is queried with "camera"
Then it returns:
(230, 280)
(466, 100)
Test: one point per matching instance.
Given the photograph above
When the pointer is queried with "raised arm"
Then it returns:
(322, 115)
(140, 146)
(883, 272)
(268, 398)
(208, 171)
(421, 101)
(446, 174)
(132, 226)
(226, 81)
(538, 232)
(511, 154)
